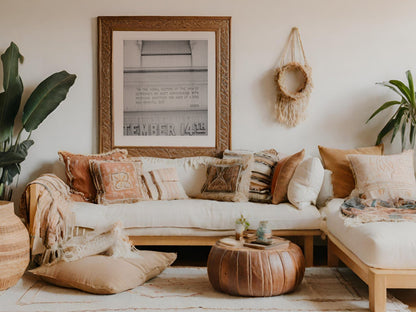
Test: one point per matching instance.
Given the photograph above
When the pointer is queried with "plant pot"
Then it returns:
(239, 230)
(14, 246)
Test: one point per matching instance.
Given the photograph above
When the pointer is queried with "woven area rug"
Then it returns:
(188, 289)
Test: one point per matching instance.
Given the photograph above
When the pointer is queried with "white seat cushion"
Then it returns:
(384, 245)
(195, 213)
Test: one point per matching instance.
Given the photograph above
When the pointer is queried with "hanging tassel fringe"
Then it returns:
(290, 105)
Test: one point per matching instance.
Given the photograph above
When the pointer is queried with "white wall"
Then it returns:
(350, 45)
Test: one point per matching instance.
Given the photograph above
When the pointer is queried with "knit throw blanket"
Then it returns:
(51, 227)
(359, 210)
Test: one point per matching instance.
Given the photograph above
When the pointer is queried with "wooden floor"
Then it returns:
(198, 255)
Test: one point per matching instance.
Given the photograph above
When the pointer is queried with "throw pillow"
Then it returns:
(164, 184)
(327, 192)
(106, 275)
(77, 169)
(384, 177)
(228, 179)
(283, 172)
(336, 161)
(261, 173)
(306, 183)
(118, 181)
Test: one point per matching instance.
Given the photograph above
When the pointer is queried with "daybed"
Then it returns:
(190, 221)
(382, 254)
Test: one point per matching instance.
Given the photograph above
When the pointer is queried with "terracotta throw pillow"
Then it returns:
(118, 181)
(228, 179)
(106, 275)
(77, 169)
(283, 172)
(336, 161)
(164, 184)
(384, 177)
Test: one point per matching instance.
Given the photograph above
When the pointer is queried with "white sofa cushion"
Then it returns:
(306, 183)
(191, 170)
(195, 213)
(385, 245)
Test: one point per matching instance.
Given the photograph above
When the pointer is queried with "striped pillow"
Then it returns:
(261, 173)
(164, 184)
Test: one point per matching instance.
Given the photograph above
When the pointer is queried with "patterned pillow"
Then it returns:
(261, 173)
(336, 161)
(118, 181)
(77, 169)
(283, 173)
(228, 179)
(164, 184)
(384, 177)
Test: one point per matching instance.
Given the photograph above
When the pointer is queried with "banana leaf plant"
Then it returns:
(403, 119)
(41, 102)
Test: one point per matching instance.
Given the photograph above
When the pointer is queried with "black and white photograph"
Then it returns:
(165, 88)
(167, 97)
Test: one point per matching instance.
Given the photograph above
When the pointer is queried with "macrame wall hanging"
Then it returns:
(293, 81)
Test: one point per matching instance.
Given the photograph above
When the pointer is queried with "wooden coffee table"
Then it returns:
(245, 271)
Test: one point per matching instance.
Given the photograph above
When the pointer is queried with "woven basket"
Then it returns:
(14, 246)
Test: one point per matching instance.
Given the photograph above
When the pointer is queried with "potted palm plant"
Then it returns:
(15, 137)
(404, 117)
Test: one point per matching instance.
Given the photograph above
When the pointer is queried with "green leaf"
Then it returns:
(10, 60)
(411, 87)
(9, 172)
(383, 107)
(45, 98)
(403, 133)
(388, 85)
(403, 89)
(412, 135)
(387, 128)
(13, 89)
(398, 121)
(16, 154)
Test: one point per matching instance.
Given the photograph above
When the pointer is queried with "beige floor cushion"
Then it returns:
(106, 275)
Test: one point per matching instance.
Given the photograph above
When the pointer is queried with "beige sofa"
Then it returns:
(192, 221)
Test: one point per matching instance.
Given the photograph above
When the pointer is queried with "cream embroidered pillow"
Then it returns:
(384, 177)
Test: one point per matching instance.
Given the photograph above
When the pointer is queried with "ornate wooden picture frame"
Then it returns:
(164, 85)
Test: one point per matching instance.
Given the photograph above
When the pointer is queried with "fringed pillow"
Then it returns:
(261, 173)
(228, 179)
(77, 169)
(118, 181)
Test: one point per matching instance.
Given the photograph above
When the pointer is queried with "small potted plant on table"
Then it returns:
(241, 225)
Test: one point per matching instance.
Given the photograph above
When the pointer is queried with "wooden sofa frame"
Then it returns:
(378, 280)
(306, 236)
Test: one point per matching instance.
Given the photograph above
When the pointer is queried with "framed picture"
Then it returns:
(164, 85)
